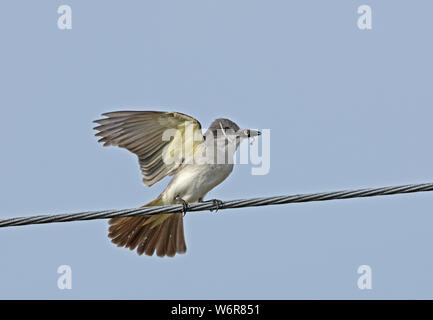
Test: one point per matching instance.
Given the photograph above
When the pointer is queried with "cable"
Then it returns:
(211, 205)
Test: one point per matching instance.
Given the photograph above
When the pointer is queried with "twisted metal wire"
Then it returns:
(211, 205)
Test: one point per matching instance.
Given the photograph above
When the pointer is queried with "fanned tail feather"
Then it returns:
(162, 233)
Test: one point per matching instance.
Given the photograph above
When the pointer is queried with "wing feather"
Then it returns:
(163, 141)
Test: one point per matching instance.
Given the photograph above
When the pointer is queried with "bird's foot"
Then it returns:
(185, 205)
(217, 203)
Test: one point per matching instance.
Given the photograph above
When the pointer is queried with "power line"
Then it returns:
(211, 205)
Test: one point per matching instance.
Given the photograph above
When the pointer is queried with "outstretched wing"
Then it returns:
(163, 141)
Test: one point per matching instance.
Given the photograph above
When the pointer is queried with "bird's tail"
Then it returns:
(160, 232)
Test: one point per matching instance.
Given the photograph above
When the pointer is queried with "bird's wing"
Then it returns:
(163, 141)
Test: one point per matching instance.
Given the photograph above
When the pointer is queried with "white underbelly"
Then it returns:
(195, 181)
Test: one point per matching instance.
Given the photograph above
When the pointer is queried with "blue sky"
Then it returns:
(346, 109)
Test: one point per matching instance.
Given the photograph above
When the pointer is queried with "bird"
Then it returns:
(169, 144)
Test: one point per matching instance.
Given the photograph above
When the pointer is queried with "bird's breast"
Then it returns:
(194, 181)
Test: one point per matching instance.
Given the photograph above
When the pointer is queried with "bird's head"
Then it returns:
(229, 131)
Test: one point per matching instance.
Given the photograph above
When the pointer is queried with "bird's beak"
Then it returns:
(248, 133)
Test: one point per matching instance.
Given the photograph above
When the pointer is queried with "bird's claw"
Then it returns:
(217, 203)
(185, 205)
